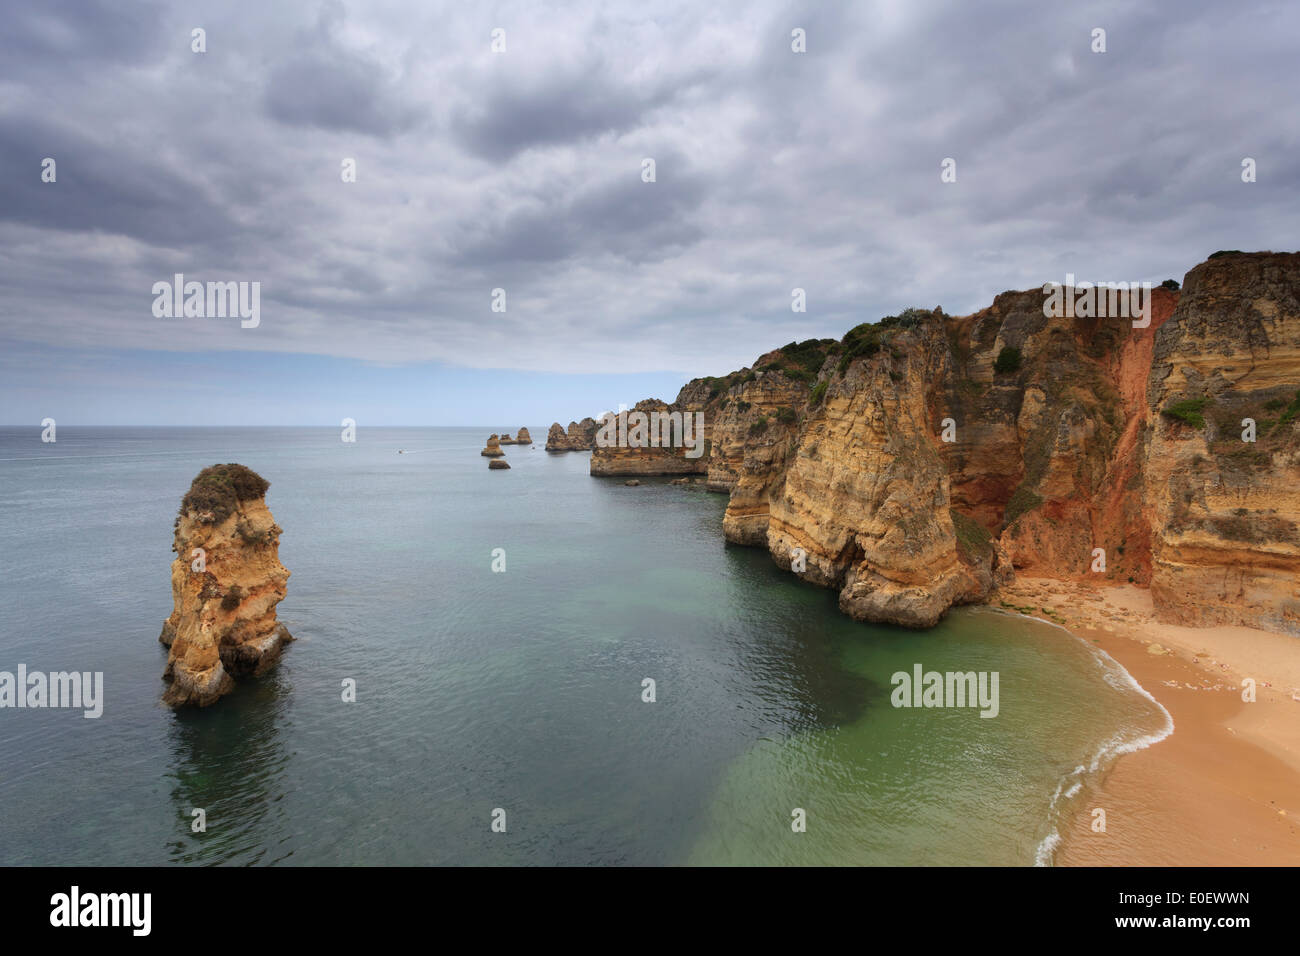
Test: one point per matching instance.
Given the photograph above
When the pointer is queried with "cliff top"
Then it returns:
(220, 488)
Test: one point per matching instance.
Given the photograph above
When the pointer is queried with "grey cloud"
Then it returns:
(47, 37)
(102, 185)
(621, 216)
(775, 169)
(325, 85)
(336, 92)
(569, 105)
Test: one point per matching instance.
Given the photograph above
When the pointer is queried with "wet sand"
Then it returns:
(1224, 788)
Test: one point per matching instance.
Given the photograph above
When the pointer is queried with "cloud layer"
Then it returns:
(522, 170)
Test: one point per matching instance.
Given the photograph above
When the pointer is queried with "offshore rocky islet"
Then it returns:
(227, 580)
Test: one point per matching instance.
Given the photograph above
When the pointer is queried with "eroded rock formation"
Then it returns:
(493, 448)
(922, 460)
(1226, 512)
(523, 438)
(227, 580)
(581, 436)
(654, 444)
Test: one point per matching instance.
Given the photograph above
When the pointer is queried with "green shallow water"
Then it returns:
(520, 690)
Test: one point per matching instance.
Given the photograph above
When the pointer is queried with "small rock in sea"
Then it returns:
(679, 481)
(631, 482)
(498, 464)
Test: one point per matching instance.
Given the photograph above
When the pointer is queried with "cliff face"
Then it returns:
(619, 450)
(581, 436)
(1226, 511)
(926, 458)
(226, 582)
(866, 500)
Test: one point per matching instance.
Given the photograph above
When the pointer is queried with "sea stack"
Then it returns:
(498, 464)
(493, 449)
(523, 438)
(226, 582)
(581, 436)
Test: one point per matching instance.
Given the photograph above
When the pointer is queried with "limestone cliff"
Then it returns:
(581, 436)
(1226, 510)
(621, 450)
(924, 459)
(227, 580)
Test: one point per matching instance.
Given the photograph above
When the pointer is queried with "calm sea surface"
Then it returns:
(519, 690)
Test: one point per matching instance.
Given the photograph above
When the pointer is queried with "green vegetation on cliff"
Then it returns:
(1009, 360)
(860, 341)
(220, 488)
(802, 361)
(1022, 500)
(973, 540)
(1187, 411)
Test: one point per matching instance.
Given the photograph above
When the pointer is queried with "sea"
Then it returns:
(546, 668)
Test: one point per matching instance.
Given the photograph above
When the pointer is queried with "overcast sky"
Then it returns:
(522, 170)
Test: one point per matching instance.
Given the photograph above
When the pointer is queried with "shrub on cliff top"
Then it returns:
(801, 361)
(861, 340)
(220, 488)
(1170, 284)
(907, 319)
(1226, 252)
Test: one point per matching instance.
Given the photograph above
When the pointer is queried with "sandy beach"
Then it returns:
(1224, 788)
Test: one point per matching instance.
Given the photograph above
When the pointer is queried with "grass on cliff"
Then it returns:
(1187, 411)
(1288, 413)
(220, 488)
(973, 540)
(1022, 500)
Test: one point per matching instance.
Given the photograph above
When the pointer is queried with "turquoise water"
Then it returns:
(519, 690)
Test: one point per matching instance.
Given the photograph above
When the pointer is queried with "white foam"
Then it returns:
(1117, 676)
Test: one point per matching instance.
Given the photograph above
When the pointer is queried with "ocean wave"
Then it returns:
(1122, 742)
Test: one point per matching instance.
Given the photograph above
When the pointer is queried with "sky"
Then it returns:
(523, 169)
